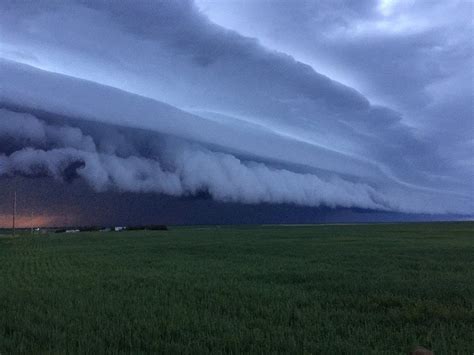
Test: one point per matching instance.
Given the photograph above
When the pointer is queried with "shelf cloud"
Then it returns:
(155, 97)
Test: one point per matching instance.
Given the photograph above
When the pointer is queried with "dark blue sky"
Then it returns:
(275, 111)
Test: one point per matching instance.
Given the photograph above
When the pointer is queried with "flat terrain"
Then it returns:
(294, 289)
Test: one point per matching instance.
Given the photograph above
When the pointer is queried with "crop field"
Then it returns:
(329, 289)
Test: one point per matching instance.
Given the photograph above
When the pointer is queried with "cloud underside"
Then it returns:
(173, 166)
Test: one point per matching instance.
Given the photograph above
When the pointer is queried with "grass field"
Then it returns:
(302, 289)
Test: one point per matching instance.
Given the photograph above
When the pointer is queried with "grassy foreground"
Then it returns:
(319, 289)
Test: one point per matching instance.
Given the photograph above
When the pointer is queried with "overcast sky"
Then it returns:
(312, 104)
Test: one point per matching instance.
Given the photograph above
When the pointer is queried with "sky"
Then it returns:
(236, 111)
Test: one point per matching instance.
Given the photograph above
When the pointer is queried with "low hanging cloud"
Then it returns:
(174, 104)
(191, 169)
(174, 167)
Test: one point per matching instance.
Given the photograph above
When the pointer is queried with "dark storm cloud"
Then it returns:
(191, 169)
(415, 56)
(76, 204)
(397, 47)
(243, 110)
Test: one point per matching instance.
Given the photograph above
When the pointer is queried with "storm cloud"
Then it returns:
(155, 97)
(61, 152)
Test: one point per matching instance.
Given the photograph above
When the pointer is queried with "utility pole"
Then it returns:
(14, 211)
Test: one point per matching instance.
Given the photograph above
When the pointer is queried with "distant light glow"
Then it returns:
(26, 221)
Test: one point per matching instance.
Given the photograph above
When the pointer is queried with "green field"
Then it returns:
(288, 289)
